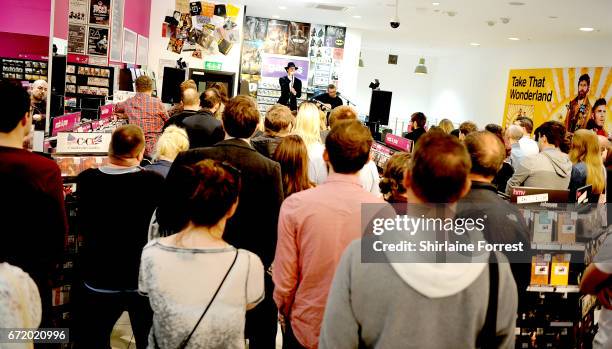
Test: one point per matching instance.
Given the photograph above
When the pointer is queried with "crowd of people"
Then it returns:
(257, 222)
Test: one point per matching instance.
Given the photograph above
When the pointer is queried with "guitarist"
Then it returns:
(330, 99)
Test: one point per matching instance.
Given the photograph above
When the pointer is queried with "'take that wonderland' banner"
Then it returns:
(576, 97)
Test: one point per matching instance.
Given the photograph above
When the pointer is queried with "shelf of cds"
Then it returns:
(23, 69)
(552, 311)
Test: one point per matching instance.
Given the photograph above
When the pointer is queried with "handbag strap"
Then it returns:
(186, 340)
(487, 338)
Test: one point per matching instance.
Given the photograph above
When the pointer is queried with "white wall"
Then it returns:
(350, 64)
(411, 92)
(158, 45)
(471, 84)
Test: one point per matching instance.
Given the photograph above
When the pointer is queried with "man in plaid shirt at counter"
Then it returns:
(144, 111)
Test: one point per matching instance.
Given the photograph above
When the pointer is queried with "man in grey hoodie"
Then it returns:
(420, 305)
(551, 168)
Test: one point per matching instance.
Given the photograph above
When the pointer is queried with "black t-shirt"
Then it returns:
(327, 99)
(113, 218)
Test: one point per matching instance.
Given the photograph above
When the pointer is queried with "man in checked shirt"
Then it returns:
(145, 111)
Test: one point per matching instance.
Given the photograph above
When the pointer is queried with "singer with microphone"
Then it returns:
(330, 100)
(291, 87)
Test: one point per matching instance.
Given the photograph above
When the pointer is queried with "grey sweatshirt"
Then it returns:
(549, 169)
(421, 305)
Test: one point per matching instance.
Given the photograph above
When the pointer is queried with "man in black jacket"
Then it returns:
(278, 125)
(202, 127)
(418, 121)
(254, 226)
(291, 87)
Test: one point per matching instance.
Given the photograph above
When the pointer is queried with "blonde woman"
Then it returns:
(173, 141)
(588, 168)
(308, 126)
(446, 125)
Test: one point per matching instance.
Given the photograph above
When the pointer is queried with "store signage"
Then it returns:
(213, 65)
(65, 122)
(398, 142)
(83, 143)
(274, 67)
(81, 59)
(381, 149)
(106, 111)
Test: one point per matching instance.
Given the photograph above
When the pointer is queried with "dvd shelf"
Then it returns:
(23, 69)
(84, 80)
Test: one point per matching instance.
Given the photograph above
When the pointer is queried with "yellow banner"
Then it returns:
(567, 95)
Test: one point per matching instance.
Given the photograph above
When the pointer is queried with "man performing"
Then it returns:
(291, 87)
(579, 110)
(330, 100)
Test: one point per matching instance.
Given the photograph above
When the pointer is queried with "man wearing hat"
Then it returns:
(291, 87)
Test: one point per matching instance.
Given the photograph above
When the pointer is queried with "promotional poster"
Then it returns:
(97, 41)
(276, 37)
(299, 39)
(77, 36)
(78, 11)
(576, 97)
(100, 12)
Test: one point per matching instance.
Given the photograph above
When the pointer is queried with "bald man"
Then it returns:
(38, 101)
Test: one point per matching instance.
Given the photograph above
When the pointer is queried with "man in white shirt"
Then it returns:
(528, 145)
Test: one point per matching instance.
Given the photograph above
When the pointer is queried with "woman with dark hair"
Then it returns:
(199, 286)
(222, 92)
(392, 183)
(292, 155)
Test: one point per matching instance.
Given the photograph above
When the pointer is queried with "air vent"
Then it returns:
(330, 7)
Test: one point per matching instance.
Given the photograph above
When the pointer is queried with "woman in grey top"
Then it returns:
(182, 273)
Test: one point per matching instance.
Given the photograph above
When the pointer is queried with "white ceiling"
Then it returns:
(424, 26)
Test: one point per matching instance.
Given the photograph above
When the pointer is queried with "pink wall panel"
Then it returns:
(60, 29)
(12, 45)
(30, 17)
(137, 16)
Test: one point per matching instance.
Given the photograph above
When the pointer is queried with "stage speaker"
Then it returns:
(380, 107)
(173, 77)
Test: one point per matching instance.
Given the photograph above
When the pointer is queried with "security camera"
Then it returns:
(395, 23)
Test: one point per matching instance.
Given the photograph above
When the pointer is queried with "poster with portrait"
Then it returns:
(276, 37)
(130, 39)
(77, 11)
(334, 36)
(299, 39)
(255, 28)
(100, 12)
(97, 41)
(77, 36)
(577, 97)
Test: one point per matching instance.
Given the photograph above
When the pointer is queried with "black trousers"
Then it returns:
(289, 340)
(98, 313)
(262, 321)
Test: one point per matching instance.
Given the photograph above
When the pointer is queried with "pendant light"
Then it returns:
(421, 69)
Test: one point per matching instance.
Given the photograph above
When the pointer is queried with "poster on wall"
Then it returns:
(299, 39)
(255, 28)
(129, 46)
(334, 36)
(100, 12)
(97, 40)
(143, 51)
(117, 30)
(77, 36)
(78, 11)
(274, 67)
(276, 37)
(576, 97)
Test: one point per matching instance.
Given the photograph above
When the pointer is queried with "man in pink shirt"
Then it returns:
(314, 228)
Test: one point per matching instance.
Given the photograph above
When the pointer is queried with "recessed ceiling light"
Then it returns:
(357, 16)
(552, 17)
(342, 24)
(435, 3)
(276, 16)
(586, 29)
(516, 3)
(514, 39)
(282, 7)
(475, 44)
